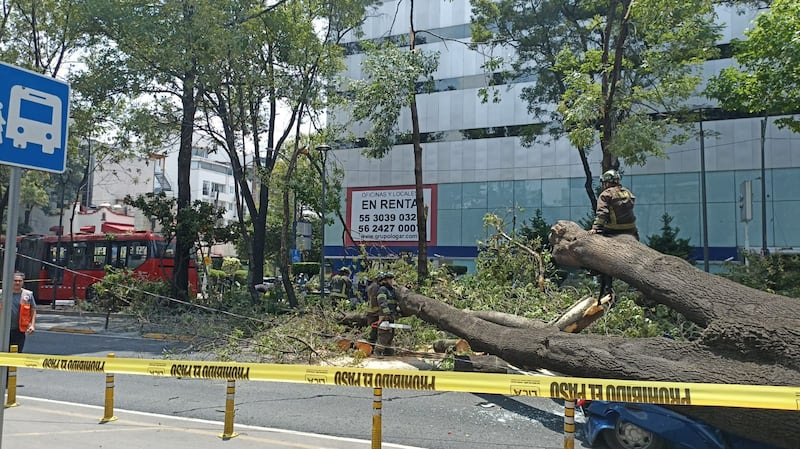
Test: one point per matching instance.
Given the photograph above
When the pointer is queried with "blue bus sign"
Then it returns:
(34, 113)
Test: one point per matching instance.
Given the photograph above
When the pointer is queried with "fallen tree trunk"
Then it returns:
(750, 337)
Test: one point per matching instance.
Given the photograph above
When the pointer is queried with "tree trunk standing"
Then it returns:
(260, 216)
(422, 210)
(183, 240)
(286, 263)
(750, 337)
(611, 75)
(589, 184)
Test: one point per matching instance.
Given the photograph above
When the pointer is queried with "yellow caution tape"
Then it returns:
(669, 393)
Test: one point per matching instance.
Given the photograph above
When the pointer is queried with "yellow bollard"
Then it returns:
(11, 382)
(227, 431)
(377, 407)
(108, 411)
(569, 424)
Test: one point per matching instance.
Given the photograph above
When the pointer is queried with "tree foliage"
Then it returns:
(766, 80)
(203, 223)
(391, 77)
(668, 241)
(604, 72)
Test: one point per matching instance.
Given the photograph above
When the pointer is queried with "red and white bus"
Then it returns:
(71, 266)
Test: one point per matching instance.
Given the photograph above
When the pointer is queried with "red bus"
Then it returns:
(71, 266)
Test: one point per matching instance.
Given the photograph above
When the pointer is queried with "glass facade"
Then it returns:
(676, 194)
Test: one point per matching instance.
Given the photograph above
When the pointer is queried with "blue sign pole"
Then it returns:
(34, 114)
(9, 258)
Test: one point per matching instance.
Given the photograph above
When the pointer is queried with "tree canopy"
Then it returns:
(601, 72)
(766, 80)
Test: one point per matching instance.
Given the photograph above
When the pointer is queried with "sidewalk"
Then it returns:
(60, 320)
(63, 425)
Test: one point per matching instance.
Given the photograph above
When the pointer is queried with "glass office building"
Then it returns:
(474, 162)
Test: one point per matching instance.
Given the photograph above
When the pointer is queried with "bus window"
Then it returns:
(137, 254)
(78, 256)
(57, 261)
(119, 254)
(165, 250)
(99, 259)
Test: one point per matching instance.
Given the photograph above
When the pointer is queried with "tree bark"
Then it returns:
(750, 337)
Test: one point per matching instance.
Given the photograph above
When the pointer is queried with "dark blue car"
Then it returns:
(645, 426)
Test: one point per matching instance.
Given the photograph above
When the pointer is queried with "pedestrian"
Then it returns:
(302, 280)
(341, 286)
(387, 298)
(614, 216)
(23, 313)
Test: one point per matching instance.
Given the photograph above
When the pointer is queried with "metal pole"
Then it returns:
(88, 173)
(56, 270)
(703, 192)
(377, 418)
(11, 398)
(108, 409)
(764, 250)
(230, 403)
(8, 272)
(569, 424)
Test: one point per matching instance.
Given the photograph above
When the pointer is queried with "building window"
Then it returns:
(206, 188)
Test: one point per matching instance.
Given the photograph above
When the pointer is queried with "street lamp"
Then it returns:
(703, 191)
(703, 195)
(324, 150)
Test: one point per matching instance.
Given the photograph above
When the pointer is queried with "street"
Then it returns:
(434, 420)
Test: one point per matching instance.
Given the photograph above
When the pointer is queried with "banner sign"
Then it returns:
(389, 214)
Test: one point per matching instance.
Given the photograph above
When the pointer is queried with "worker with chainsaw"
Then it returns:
(614, 216)
(387, 300)
(341, 286)
(373, 307)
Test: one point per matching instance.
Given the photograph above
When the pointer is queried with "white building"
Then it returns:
(478, 165)
(211, 180)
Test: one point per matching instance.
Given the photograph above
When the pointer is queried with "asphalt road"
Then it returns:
(434, 420)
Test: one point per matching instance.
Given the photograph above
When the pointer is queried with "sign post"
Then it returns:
(34, 113)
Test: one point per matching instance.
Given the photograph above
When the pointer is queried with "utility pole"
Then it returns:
(703, 200)
(764, 249)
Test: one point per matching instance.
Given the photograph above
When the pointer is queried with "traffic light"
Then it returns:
(746, 201)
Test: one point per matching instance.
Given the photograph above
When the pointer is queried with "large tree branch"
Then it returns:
(751, 337)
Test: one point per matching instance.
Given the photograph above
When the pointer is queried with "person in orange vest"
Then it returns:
(23, 313)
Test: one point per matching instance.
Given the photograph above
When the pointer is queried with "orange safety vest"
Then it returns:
(25, 312)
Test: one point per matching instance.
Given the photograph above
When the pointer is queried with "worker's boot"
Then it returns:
(383, 347)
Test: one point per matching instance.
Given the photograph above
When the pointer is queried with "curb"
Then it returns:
(70, 330)
(157, 336)
(47, 311)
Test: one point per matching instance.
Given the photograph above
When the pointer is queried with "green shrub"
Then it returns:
(775, 273)
(309, 268)
(241, 276)
(668, 242)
